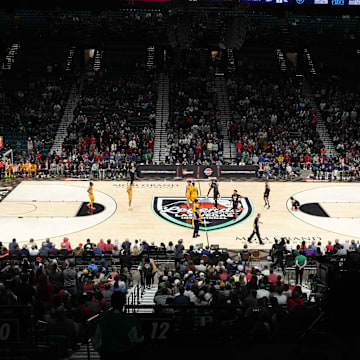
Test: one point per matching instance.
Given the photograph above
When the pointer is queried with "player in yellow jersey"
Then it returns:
(33, 169)
(196, 206)
(129, 190)
(27, 169)
(194, 192)
(14, 171)
(8, 169)
(91, 196)
(21, 168)
(188, 193)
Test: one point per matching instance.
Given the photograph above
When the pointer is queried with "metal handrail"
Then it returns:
(88, 321)
(312, 325)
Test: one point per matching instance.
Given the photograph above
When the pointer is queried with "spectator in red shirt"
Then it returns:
(329, 246)
(66, 243)
(101, 245)
(45, 290)
(198, 149)
(151, 144)
(109, 246)
(4, 252)
(223, 275)
(88, 286)
(272, 277)
(296, 299)
(249, 275)
(85, 309)
(239, 145)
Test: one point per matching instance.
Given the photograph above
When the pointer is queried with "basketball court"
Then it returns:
(40, 209)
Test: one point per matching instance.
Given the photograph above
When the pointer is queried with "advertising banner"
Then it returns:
(195, 171)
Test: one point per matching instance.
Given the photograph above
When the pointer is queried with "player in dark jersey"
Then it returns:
(132, 171)
(196, 220)
(256, 229)
(267, 194)
(215, 187)
(294, 204)
(235, 199)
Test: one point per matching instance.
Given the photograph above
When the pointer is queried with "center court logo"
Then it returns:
(174, 210)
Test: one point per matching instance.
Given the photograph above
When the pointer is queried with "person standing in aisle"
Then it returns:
(300, 263)
(148, 273)
(256, 229)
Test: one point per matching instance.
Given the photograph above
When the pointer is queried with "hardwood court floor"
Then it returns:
(37, 209)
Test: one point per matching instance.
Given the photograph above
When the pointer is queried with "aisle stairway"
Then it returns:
(82, 353)
(9, 60)
(162, 117)
(148, 298)
(224, 107)
(321, 127)
(231, 59)
(68, 115)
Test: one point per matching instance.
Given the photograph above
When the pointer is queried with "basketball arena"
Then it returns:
(55, 209)
(179, 178)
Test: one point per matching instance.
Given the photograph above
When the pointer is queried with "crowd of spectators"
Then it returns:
(273, 124)
(260, 299)
(113, 128)
(113, 125)
(87, 250)
(59, 292)
(32, 107)
(194, 127)
(339, 104)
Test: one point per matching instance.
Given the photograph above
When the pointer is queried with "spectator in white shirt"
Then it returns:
(262, 292)
(201, 267)
(34, 251)
(135, 248)
(288, 246)
(266, 271)
(281, 298)
(346, 245)
(132, 144)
